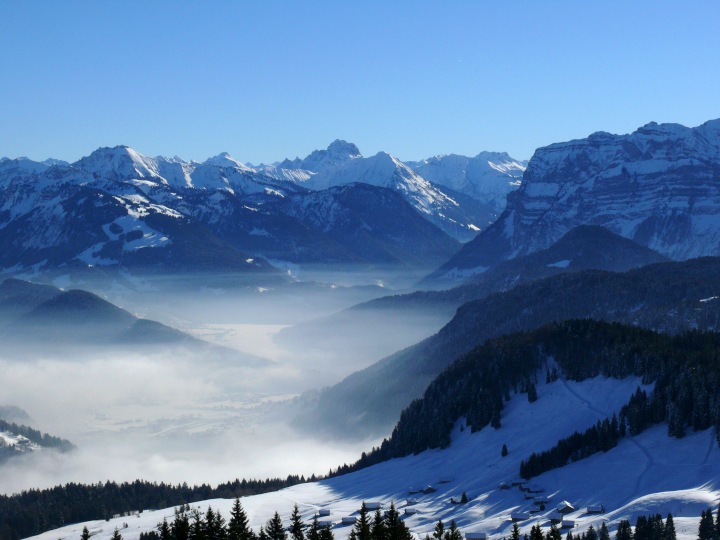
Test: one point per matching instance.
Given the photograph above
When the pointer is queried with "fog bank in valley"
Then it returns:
(174, 415)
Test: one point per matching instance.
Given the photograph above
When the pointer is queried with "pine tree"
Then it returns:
(274, 528)
(591, 534)
(536, 533)
(326, 533)
(85, 534)
(439, 531)
(624, 531)
(314, 531)
(164, 529)
(116, 535)
(604, 533)
(453, 533)
(569, 535)
(515, 532)
(669, 530)
(362, 524)
(396, 528)
(554, 533)
(706, 530)
(378, 531)
(262, 535)
(464, 499)
(180, 527)
(214, 525)
(504, 451)
(532, 392)
(197, 527)
(296, 525)
(239, 525)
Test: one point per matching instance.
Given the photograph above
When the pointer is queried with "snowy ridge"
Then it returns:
(117, 201)
(487, 177)
(646, 474)
(657, 186)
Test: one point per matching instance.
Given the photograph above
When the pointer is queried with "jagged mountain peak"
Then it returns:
(337, 153)
(340, 148)
(119, 163)
(224, 159)
(656, 186)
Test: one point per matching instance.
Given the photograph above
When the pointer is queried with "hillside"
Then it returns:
(656, 186)
(415, 316)
(41, 317)
(670, 297)
(645, 474)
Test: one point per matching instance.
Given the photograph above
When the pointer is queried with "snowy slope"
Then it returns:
(444, 200)
(119, 208)
(487, 177)
(645, 474)
(657, 186)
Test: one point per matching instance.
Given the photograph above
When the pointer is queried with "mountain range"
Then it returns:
(658, 186)
(119, 209)
(670, 297)
(36, 317)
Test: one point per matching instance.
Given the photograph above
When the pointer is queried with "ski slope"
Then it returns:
(646, 474)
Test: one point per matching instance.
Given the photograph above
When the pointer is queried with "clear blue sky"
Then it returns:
(265, 80)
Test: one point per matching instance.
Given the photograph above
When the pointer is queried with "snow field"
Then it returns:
(647, 474)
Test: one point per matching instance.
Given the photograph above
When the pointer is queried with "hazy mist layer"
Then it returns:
(175, 416)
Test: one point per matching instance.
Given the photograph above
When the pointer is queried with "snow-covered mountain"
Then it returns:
(657, 186)
(460, 208)
(117, 208)
(487, 177)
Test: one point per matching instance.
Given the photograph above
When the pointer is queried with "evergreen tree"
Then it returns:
(504, 451)
(669, 531)
(717, 524)
(453, 533)
(197, 527)
(378, 531)
(326, 533)
(536, 533)
(624, 531)
(532, 392)
(180, 527)
(314, 531)
(274, 528)
(214, 525)
(396, 528)
(439, 532)
(515, 532)
(362, 525)
(554, 533)
(706, 530)
(262, 535)
(164, 529)
(642, 528)
(604, 534)
(569, 535)
(464, 498)
(116, 535)
(296, 525)
(85, 534)
(239, 525)
(591, 534)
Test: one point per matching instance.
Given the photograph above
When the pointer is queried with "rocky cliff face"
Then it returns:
(658, 186)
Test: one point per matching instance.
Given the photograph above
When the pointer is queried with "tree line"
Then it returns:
(34, 511)
(684, 369)
(39, 438)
